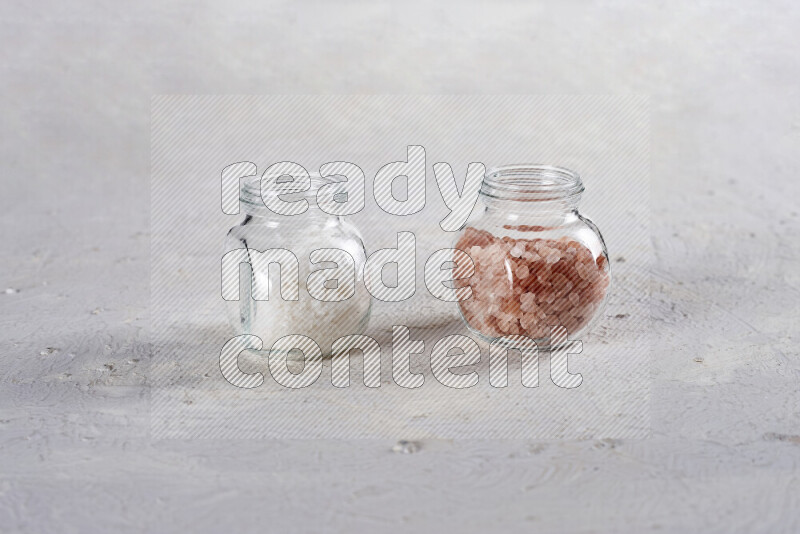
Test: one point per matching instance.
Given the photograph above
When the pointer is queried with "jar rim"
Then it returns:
(250, 190)
(531, 182)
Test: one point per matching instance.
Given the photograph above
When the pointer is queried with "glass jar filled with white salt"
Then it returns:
(307, 270)
(538, 262)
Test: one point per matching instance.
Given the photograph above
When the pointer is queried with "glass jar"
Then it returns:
(538, 262)
(324, 321)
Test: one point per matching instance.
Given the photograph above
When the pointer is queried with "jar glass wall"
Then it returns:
(324, 321)
(538, 262)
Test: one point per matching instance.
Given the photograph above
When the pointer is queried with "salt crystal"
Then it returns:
(406, 447)
(553, 256)
(528, 302)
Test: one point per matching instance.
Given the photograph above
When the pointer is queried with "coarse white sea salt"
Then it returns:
(322, 321)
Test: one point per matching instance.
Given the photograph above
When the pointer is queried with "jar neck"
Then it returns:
(538, 213)
(533, 194)
(311, 217)
(256, 211)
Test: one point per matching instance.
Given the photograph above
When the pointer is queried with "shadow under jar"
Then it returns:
(538, 262)
(346, 307)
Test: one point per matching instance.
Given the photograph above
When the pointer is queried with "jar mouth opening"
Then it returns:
(531, 182)
(250, 190)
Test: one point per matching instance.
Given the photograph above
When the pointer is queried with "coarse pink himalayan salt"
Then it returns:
(526, 286)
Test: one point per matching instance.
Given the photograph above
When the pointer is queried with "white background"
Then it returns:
(76, 81)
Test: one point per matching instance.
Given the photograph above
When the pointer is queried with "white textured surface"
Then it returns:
(76, 81)
(607, 138)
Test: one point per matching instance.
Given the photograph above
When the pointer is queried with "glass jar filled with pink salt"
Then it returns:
(538, 262)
